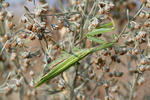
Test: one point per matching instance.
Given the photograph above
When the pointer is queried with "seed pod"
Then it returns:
(31, 73)
(95, 22)
(80, 96)
(34, 28)
(39, 37)
(26, 66)
(61, 84)
(8, 50)
(143, 1)
(32, 36)
(137, 26)
(34, 92)
(147, 15)
(43, 25)
(114, 57)
(25, 55)
(143, 34)
(79, 78)
(91, 74)
(39, 55)
(28, 26)
(111, 97)
(28, 93)
(60, 21)
(2, 18)
(5, 4)
(106, 68)
(2, 13)
(105, 84)
(54, 26)
(102, 4)
(10, 15)
(20, 44)
(8, 45)
(110, 74)
(115, 88)
(138, 37)
(8, 89)
(77, 16)
(123, 51)
(118, 60)
(106, 98)
(111, 5)
(68, 30)
(99, 60)
(146, 24)
(13, 56)
(73, 18)
(141, 80)
(135, 52)
(49, 59)
(103, 63)
(23, 35)
(24, 19)
(29, 0)
(31, 84)
(55, 47)
(142, 68)
(10, 25)
(78, 31)
(147, 67)
(27, 61)
(131, 40)
(147, 5)
(118, 73)
(6, 36)
(106, 53)
(2, 39)
(89, 29)
(78, 2)
(143, 62)
(18, 83)
(78, 26)
(16, 89)
(101, 11)
(48, 38)
(142, 15)
(107, 8)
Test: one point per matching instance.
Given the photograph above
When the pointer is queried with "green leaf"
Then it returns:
(96, 40)
(110, 24)
(99, 31)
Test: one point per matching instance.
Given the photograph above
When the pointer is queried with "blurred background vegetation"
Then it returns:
(119, 13)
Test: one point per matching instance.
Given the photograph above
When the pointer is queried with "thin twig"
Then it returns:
(42, 46)
(125, 27)
(61, 14)
(133, 86)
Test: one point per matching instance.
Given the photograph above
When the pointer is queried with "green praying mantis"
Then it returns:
(67, 60)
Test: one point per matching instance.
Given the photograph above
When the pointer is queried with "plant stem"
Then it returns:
(129, 20)
(133, 86)
(83, 19)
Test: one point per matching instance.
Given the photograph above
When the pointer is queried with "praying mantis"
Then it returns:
(67, 60)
